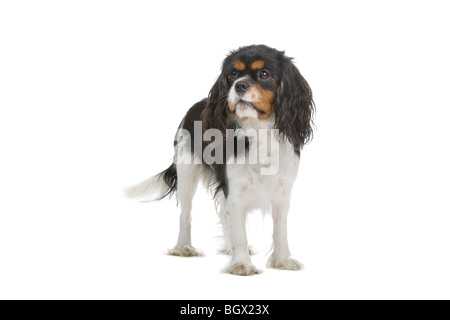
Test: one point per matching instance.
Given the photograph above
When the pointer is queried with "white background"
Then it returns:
(91, 93)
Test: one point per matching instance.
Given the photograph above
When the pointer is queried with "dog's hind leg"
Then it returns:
(187, 183)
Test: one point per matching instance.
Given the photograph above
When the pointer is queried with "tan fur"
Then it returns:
(239, 65)
(264, 101)
(231, 106)
(258, 64)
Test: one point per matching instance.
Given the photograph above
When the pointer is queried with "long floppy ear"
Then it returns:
(215, 114)
(294, 106)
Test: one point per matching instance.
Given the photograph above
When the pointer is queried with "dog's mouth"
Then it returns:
(248, 105)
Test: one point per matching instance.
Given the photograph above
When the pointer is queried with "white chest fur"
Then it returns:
(257, 185)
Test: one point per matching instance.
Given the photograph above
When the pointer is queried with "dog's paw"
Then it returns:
(284, 264)
(185, 251)
(242, 269)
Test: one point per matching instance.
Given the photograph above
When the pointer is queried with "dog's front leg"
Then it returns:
(240, 262)
(281, 256)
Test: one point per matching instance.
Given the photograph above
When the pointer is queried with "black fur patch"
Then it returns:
(170, 178)
(218, 169)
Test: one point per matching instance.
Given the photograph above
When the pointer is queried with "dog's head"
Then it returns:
(261, 83)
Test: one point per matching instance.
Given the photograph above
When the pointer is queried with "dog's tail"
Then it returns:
(155, 188)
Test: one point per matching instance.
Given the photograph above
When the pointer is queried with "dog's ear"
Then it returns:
(294, 106)
(215, 114)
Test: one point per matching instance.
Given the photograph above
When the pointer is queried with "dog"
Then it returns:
(243, 142)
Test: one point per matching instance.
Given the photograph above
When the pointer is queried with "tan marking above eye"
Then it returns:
(257, 64)
(239, 65)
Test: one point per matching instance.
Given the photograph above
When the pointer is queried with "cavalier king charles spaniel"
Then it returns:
(243, 142)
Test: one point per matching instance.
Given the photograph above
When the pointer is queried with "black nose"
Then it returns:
(241, 86)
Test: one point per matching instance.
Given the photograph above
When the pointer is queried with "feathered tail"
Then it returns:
(155, 188)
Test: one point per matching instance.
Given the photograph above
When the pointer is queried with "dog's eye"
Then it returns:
(233, 74)
(264, 74)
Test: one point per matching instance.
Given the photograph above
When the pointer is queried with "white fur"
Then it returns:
(245, 110)
(150, 189)
(248, 191)
(188, 177)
